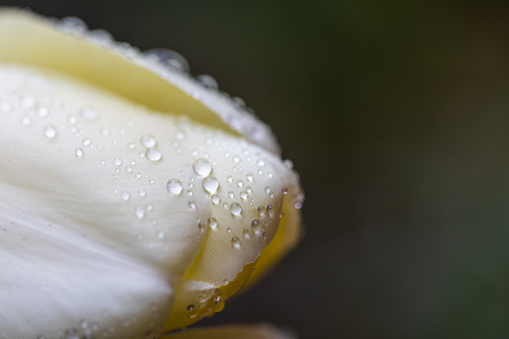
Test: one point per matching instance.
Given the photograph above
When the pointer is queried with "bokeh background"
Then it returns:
(396, 115)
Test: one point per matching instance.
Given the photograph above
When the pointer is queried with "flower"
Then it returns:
(134, 199)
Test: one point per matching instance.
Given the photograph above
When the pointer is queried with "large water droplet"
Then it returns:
(148, 141)
(210, 184)
(50, 131)
(202, 167)
(153, 154)
(235, 209)
(174, 186)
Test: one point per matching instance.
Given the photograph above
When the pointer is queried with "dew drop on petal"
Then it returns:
(256, 225)
(192, 205)
(50, 131)
(236, 242)
(148, 141)
(215, 199)
(212, 223)
(78, 152)
(89, 114)
(207, 81)
(26, 121)
(202, 167)
(139, 212)
(249, 176)
(235, 209)
(174, 186)
(210, 184)
(153, 154)
(117, 161)
(125, 196)
(246, 234)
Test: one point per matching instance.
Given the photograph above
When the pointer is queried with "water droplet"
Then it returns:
(174, 186)
(125, 196)
(240, 183)
(249, 176)
(117, 161)
(229, 178)
(142, 192)
(243, 195)
(288, 164)
(236, 242)
(231, 195)
(215, 199)
(207, 81)
(50, 131)
(90, 114)
(256, 225)
(169, 58)
(249, 189)
(78, 152)
(202, 167)
(285, 190)
(131, 145)
(270, 209)
(28, 101)
(235, 209)
(212, 223)
(26, 121)
(210, 184)
(261, 210)
(154, 154)
(86, 142)
(246, 233)
(129, 169)
(236, 159)
(160, 234)
(261, 162)
(72, 119)
(139, 212)
(192, 205)
(298, 205)
(148, 141)
(105, 131)
(267, 189)
(132, 162)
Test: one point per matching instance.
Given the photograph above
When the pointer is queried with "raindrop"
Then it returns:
(212, 223)
(235, 209)
(154, 154)
(148, 141)
(236, 242)
(174, 186)
(210, 184)
(202, 167)
(78, 152)
(50, 131)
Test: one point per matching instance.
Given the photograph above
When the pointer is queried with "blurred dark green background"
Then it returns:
(396, 114)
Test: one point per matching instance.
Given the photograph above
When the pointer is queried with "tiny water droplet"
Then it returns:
(160, 234)
(236, 159)
(270, 209)
(26, 121)
(261, 162)
(207, 81)
(174, 186)
(142, 192)
(246, 233)
(125, 196)
(243, 195)
(117, 161)
(229, 178)
(50, 131)
(154, 154)
(231, 195)
(235, 209)
(202, 167)
(261, 210)
(86, 142)
(43, 112)
(249, 176)
(192, 205)
(267, 189)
